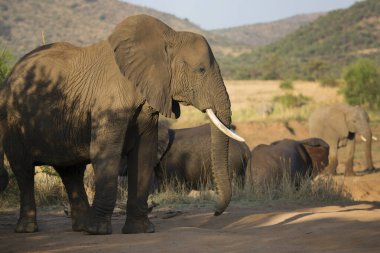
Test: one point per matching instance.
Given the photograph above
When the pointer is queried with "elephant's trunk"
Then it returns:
(368, 149)
(220, 105)
(219, 159)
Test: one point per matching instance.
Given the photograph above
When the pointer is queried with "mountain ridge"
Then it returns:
(24, 25)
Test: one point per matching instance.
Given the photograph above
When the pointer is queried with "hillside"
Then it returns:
(265, 33)
(24, 23)
(76, 21)
(318, 50)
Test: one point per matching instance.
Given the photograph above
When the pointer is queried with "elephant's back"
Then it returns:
(317, 119)
(263, 163)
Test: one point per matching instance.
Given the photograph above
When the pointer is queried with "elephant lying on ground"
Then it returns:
(185, 157)
(297, 158)
(68, 106)
(338, 125)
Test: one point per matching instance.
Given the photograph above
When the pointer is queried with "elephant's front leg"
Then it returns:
(141, 162)
(350, 158)
(106, 146)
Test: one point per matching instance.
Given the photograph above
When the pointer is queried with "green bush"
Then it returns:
(362, 83)
(291, 101)
(286, 85)
(5, 58)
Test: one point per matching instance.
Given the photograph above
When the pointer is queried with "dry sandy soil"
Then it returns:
(276, 227)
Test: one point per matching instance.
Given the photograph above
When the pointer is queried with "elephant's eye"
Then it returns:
(200, 69)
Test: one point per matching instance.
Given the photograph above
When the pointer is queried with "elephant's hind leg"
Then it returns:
(22, 167)
(72, 178)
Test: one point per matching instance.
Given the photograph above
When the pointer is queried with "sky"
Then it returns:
(214, 14)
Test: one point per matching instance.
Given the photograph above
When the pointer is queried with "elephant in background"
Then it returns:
(299, 159)
(184, 156)
(338, 125)
(69, 106)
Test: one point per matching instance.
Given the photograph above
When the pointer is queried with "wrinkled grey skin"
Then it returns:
(299, 159)
(67, 106)
(184, 156)
(338, 125)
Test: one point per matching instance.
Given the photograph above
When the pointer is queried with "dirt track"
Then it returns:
(264, 228)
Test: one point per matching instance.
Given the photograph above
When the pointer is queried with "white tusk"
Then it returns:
(363, 138)
(222, 127)
(374, 138)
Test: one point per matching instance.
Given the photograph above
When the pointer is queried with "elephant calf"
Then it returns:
(185, 156)
(298, 158)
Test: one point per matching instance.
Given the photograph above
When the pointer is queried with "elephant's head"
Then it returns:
(318, 151)
(170, 67)
(358, 123)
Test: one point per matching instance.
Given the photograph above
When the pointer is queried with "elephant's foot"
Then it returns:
(78, 225)
(140, 225)
(78, 220)
(329, 172)
(26, 225)
(349, 173)
(98, 225)
(98, 228)
(369, 170)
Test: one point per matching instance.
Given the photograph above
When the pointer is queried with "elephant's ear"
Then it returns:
(141, 44)
(318, 151)
(163, 140)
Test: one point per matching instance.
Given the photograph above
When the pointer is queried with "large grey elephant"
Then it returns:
(298, 159)
(185, 156)
(338, 125)
(68, 106)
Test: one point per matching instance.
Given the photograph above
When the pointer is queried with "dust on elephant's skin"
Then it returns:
(185, 157)
(68, 106)
(339, 125)
(288, 158)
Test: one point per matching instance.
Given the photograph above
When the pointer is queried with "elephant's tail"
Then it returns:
(4, 178)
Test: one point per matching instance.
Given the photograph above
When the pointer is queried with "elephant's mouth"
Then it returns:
(222, 127)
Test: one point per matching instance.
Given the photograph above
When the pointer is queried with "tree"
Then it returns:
(362, 80)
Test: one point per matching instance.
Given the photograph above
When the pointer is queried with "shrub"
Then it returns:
(5, 58)
(362, 83)
(286, 85)
(329, 81)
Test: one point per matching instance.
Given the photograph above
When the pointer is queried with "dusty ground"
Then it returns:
(285, 228)
(262, 227)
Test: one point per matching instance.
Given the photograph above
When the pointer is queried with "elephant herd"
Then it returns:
(184, 154)
(68, 106)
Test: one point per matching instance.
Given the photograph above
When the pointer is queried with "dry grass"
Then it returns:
(251, 98)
